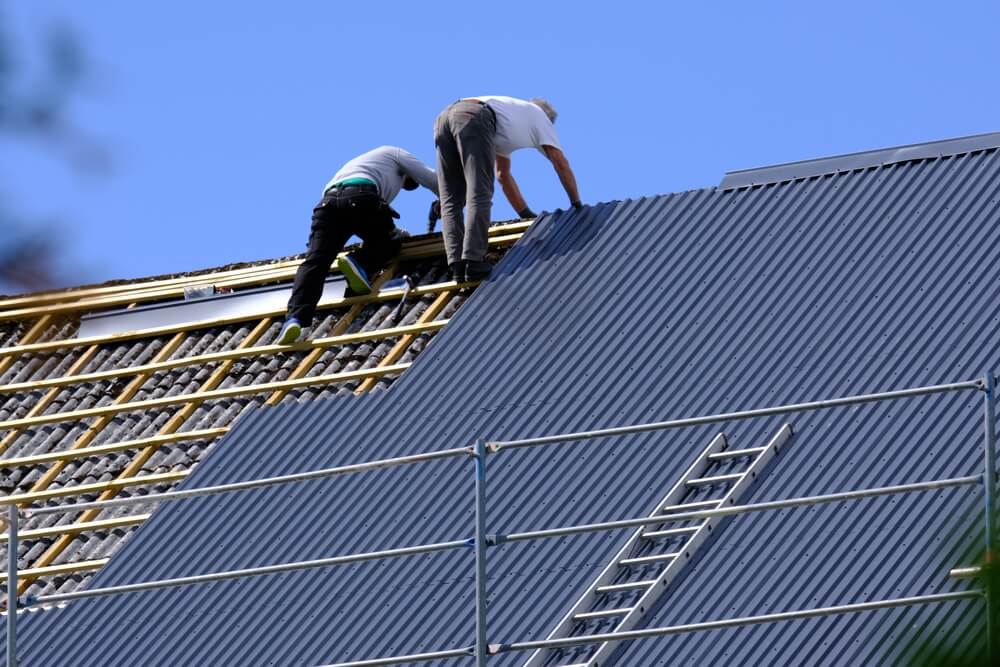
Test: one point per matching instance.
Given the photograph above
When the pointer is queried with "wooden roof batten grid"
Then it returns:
(112, 447)
(109, 489)
(143, 455)
(127, 478)
(32, 343)
(211, 357)
(338, 329)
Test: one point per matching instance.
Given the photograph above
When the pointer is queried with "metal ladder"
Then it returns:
(656, 554)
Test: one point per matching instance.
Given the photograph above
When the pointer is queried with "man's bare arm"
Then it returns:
(564, 171)
(510, 189)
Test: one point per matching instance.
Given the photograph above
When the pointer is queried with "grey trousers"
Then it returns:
(464, 134)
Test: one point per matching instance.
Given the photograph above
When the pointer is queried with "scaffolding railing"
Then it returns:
(480, 541)
(45, 317)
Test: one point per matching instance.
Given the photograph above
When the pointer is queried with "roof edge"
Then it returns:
(788, 171)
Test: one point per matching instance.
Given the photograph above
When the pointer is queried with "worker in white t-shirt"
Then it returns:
(471, 136)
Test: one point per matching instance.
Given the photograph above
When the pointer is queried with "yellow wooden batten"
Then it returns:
(56, 570)
(43, 403)
(110, 448)
(95, 487)
(307, 362)
(32, 334)
(386, 295)
(325, 342)
(203, 396)
(82, 527)
(404, 343)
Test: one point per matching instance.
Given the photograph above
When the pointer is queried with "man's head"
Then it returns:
(546, 107)
(409, 183)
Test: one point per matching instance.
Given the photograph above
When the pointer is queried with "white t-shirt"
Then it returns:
(520, 124)
(386, 166)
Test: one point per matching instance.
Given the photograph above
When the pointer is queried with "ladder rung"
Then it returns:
(642, 560)
(614, 588)
(671, 532)
(604, 613)
(718, 479)
(735, 453)
(690, 507)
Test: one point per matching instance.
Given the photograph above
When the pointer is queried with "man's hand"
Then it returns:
(526, 213)
(577, 205)
(433, 215)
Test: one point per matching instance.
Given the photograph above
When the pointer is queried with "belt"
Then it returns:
(354, 183)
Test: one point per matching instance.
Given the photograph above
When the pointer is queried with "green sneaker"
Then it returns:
(354, 275)
(290, 332)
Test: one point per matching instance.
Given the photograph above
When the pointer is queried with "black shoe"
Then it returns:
(476, 271)
(457, 271)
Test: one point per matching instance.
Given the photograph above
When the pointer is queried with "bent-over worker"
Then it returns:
(355, 203)
(471, 136)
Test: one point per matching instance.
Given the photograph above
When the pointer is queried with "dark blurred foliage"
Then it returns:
(964, 649)
(35, 108)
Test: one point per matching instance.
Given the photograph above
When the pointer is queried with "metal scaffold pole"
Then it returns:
(12, 585)
(482, 648)
(990, 484)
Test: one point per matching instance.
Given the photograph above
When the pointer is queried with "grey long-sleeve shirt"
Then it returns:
(386, 166)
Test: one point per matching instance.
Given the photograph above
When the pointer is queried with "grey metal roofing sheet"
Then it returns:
(693, 303)
(876, 158)
(126, 426)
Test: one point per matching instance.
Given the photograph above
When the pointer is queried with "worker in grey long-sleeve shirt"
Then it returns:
(355, 203)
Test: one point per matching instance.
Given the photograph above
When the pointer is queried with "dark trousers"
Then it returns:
(464, 135)
(344, 212)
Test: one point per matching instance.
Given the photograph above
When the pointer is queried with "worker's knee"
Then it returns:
(481, 199)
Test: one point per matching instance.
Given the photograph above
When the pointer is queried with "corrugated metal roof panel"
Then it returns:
(694, 303)
(119, 355)
(882, 157)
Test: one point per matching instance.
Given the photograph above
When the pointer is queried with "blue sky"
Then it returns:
(224, 120)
